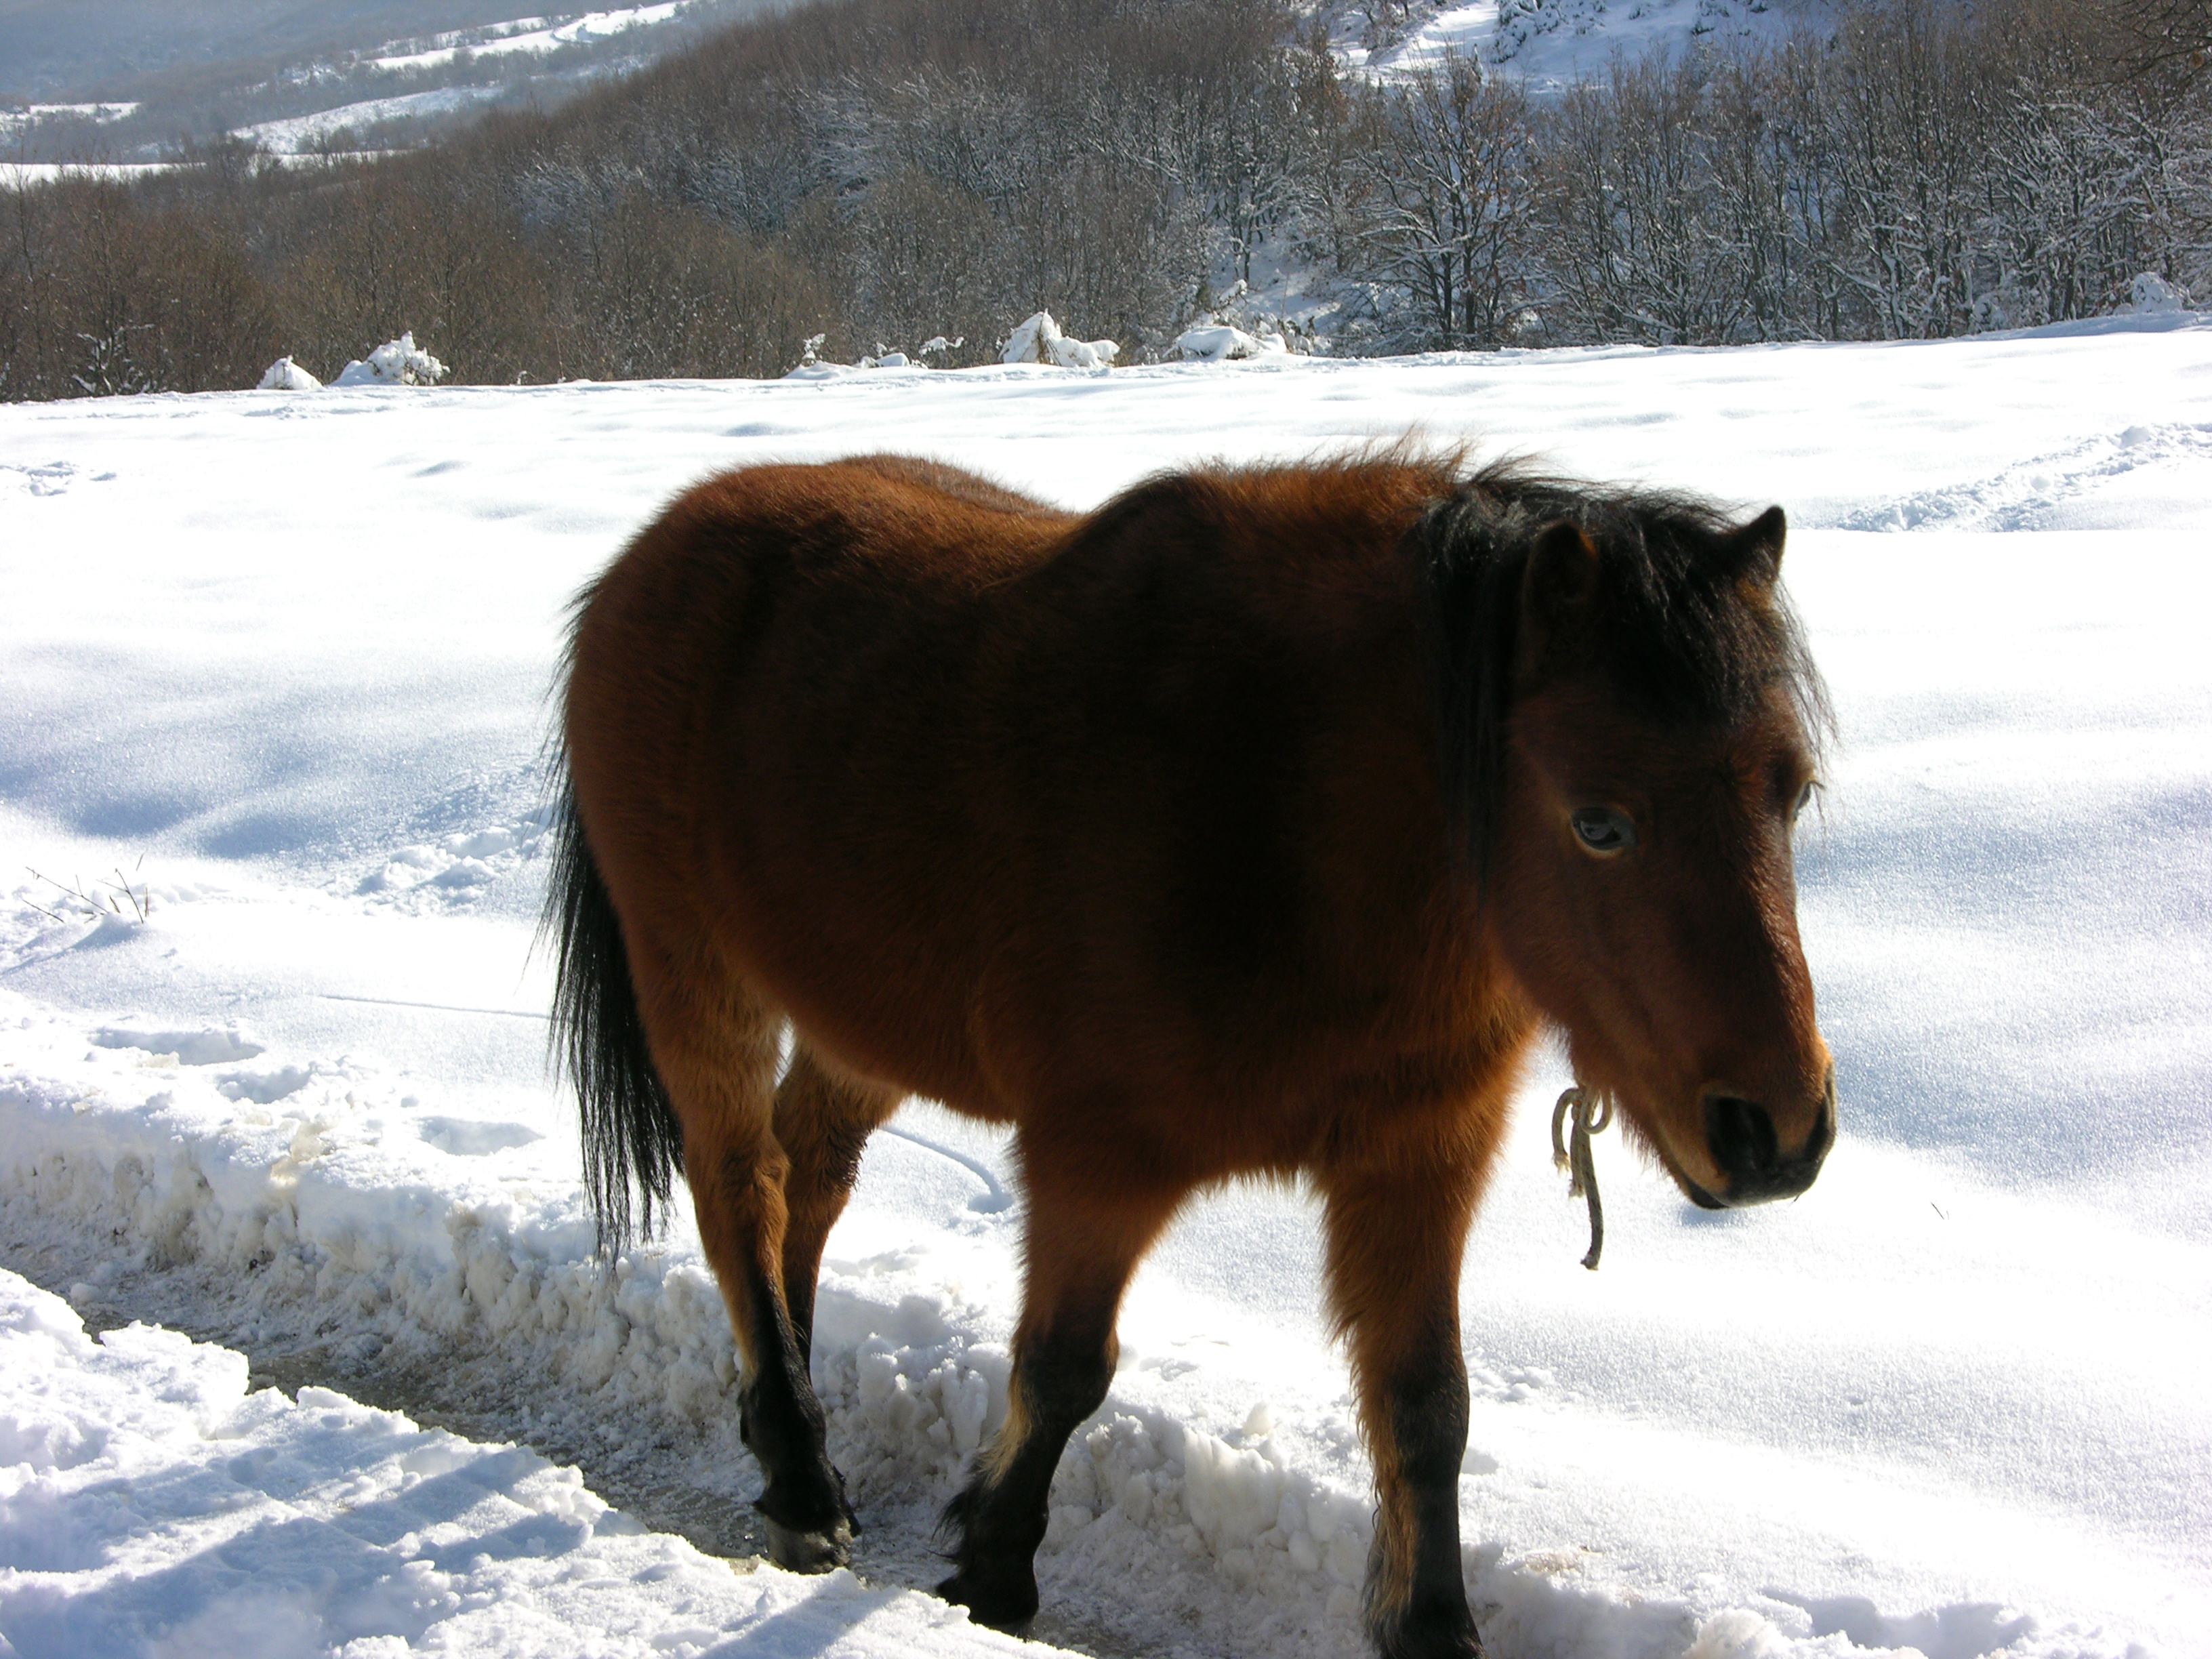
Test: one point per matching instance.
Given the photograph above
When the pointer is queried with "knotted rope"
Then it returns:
(1591, 1117)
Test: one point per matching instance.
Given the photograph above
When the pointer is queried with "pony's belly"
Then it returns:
(878, 1013)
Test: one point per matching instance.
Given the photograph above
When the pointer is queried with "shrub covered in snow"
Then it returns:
(396, 362)
(285, 376)
(2151, 292)
(1220, 343)
(1038, 339)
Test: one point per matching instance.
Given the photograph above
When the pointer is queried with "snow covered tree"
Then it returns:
(1451, 163)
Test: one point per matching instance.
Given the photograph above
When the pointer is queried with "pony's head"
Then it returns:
(1631, 730)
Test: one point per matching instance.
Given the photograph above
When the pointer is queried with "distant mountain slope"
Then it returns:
(49, 47)
(194, 70)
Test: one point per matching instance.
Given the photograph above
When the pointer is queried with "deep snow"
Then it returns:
(153, 1504)
(277, 662)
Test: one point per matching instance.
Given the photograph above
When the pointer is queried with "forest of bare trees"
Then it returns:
(884, 172)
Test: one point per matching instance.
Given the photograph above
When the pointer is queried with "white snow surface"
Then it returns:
(277, 673)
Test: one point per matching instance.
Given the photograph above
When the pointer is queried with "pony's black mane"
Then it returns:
(1682, 639)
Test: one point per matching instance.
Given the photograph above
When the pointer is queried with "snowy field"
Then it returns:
(277, 663)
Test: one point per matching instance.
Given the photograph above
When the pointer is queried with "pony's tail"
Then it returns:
(631, 1136)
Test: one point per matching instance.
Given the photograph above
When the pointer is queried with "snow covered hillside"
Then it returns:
(1552, 44)
(477, 67)
(273, 701)
(296, 78)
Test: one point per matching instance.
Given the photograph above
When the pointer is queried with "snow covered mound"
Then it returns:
(285, 376)
(396, 362)
(150, 1503)
(1219, 343)
(1038, 339)
(2151, 295)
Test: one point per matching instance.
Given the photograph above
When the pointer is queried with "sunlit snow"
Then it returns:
(272, 1046)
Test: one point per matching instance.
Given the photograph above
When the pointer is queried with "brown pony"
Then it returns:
(1252, 825)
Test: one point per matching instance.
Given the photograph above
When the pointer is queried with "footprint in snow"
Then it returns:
(2023, 497)
(208, 1045)
(53, 478)
(265, 1087)
(465, 1137)
(454, 870)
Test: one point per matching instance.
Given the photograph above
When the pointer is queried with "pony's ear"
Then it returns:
(1753, 551)
(1561, 578)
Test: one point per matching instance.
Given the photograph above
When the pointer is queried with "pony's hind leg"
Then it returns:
(1082, 1245)
(823, 1120)
(715, 1045)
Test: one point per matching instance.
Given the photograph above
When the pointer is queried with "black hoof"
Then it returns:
(1441, 1633)
(809, 1552)
(1002, 1606)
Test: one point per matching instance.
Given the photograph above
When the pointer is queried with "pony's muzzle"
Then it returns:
(1740, 1135)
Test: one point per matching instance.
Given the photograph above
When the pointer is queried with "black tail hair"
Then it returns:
(631, 1136)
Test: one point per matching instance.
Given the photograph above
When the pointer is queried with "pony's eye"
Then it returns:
(1601, 830)
(1804, 799)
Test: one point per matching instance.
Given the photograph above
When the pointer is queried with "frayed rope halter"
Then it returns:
(1591, 1117)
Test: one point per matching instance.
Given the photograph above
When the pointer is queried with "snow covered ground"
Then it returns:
(14, 175)
(522, 39)
(275, 674)
(15, 122)
(1552, 44)
(294, 133)
(154, 1504)
(537, 35)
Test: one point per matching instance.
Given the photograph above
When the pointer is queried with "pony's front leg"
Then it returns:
(1395, 1236)
(1084, 1239)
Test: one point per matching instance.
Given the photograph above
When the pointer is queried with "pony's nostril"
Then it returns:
(1740, 1133)
(1823, 1134)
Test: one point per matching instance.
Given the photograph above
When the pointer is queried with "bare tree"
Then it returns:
(2155, 38)
(1451, 162)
